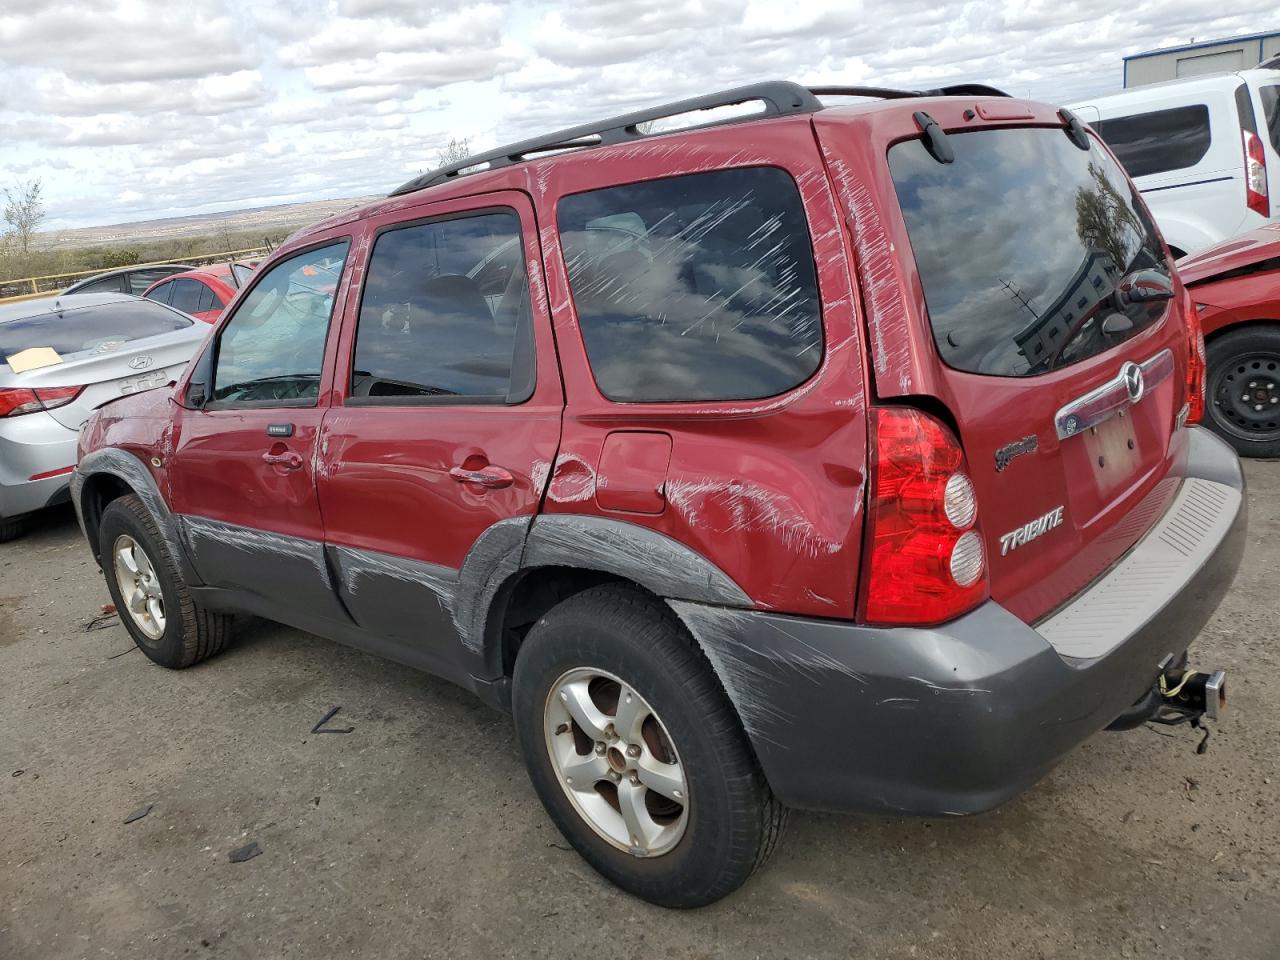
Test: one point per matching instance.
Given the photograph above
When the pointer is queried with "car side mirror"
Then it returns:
(201, 383)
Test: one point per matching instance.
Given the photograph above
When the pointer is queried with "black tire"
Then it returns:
(733, 821)
(1245, 363)
(12, 528)
(191, 633)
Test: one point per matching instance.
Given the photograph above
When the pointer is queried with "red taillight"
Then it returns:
(1195, 361)
(925, 561)
(15, 401)
(1255, 174)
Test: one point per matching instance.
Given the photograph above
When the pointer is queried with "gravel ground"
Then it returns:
(417, 834)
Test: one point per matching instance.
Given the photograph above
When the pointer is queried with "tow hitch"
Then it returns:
(1179, 696)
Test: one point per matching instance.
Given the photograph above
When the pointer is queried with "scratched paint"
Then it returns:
(573, 480)
(725, 506)
(358, 567)
(254, 541)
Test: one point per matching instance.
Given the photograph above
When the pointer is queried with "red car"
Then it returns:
(1236, 288)
(832, 457)
(202, 293)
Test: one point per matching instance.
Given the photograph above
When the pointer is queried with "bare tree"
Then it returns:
(24, 212)
(455, 150)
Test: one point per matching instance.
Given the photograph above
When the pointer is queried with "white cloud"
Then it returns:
(141, 108)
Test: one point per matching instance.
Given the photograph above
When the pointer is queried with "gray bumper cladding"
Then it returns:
(958, 718)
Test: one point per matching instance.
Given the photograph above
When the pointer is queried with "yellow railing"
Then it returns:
(38, 286)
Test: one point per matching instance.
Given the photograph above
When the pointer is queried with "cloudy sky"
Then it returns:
(137, 109)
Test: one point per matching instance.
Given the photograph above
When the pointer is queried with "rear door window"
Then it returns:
(1020, 245)
(445, 315)
(186, 295)
(1270, 96)
(1159, 141)
(697, 287)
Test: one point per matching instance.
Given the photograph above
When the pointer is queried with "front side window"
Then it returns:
(445, 315)
(272, 349)
(1021, 244)
(1160, 141)
(161, 293)
(698, 287)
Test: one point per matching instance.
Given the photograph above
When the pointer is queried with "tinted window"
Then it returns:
(445, 313)
(105, 285)
(1160, 141)
(1270, 96)
(273, 347)
(186, 295)
(138, 280)
(1020, 244)
(208, 299)
(161, 293)
(101, 328)
(699, 287)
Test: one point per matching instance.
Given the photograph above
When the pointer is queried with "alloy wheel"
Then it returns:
(616, 762)
(139, 586)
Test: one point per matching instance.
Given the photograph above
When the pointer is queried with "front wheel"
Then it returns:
(149, 592)
(636, 752)
(1243, 389)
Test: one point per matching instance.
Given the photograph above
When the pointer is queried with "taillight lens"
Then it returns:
(925, 560)
(1255, 174)
(1196, 362)
(15, 401)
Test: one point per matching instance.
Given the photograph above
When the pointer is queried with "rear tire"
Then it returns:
(1244, 374)
(711, 819)
(149, 592)
(12, 528)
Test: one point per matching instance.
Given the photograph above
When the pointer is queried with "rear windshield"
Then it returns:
(1021, 244)
(101, 328)
(1159, 141)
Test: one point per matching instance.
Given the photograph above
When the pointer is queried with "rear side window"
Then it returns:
(1270, 96)
(105, 285)
(186, 295)
(100, 328)
(1160, 141)
(699, 287)
(445, 315)
(1020, 245)
(161, 294)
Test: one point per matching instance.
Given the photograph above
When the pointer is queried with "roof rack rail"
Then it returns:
(884, 93)
(780, 98)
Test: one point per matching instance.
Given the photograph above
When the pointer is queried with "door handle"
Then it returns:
(290, 461)
(491, 476)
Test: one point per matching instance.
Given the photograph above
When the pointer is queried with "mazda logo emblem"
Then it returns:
(1131, 374)
(140, 362)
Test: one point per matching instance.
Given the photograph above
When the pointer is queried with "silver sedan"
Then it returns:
(91, 348)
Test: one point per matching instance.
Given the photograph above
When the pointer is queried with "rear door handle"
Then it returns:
(290, 461)
(492, 477)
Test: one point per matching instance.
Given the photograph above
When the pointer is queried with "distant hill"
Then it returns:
(284, 216)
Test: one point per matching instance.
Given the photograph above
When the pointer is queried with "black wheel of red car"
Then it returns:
(636, 752)
(149, 593)
(1243, 390)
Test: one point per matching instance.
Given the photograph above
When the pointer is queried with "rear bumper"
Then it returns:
(959, 718)
(29, 446)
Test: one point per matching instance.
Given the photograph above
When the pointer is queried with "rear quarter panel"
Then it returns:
(771, 490)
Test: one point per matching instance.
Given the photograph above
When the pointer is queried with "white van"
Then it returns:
(1204, 152)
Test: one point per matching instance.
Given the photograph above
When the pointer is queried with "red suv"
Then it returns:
(832, 457)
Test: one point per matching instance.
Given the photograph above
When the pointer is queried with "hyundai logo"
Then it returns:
(140, 362)
(1131, 374)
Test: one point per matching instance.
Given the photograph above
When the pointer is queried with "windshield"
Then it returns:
(1021, 244)
(101, 328)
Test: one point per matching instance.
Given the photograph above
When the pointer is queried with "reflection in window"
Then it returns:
(699, 287)
(446, 313)
(1159, 141)
(273, 347)
(1020, 244)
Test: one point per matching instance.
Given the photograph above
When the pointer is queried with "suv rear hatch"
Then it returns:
(1035, 258)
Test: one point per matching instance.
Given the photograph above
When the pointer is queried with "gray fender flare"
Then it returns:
(130, 469)
(665, 567)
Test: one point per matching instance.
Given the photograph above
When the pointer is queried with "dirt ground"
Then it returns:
(417, 834)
